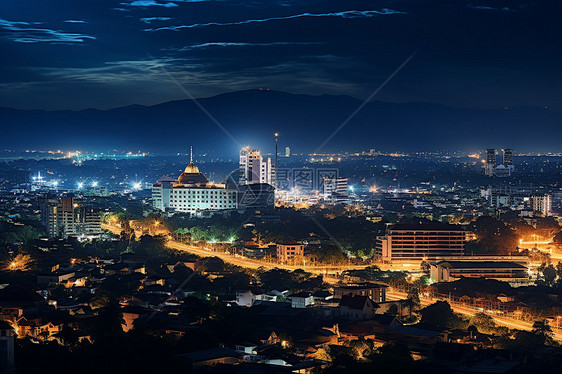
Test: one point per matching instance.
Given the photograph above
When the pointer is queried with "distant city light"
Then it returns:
(80, 185)
(137, 185)
(94, 184)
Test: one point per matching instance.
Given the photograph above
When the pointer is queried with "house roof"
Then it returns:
(426, 227)
(356, 302)
(481, 265)
(301, 294)
(290, 242)
(210, 354)
(15, 293)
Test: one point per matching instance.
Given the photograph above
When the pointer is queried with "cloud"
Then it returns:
(486, 7)
(152, 19)
(240, 44)
(24, 32)
(147, 3)
(344, 14)
(74, 21)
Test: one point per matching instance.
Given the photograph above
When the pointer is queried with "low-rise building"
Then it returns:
(290, 251)
(512, 269)
(377, 292)
(356, 308)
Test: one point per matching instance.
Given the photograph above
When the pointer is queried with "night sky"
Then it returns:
(74, 54)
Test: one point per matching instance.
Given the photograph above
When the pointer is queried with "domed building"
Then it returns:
(192, 193)
(191, 175)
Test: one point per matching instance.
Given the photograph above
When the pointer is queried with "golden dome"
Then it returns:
(191, 174)
(191, 169)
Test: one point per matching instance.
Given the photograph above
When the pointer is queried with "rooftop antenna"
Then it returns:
(191, 154)
(276, 160)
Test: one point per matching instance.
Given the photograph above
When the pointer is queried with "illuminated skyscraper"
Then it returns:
(67, 215)
(254, 169)
(508, 160)
(542, 203)
(287, 152)
(490, 162)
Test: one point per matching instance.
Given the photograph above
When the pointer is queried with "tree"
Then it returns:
(392, 310)
(484, 323)
(440, 316)
(548, 274)
(425, 267)
(494, 236)
(542, 328)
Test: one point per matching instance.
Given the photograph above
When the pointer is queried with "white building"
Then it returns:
(254, 169)
(542, 203)
(335, 189)
(192, 193)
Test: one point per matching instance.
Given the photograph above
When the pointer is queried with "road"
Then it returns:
(470, 311)
(247, 262)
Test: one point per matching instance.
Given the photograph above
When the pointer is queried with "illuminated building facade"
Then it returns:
(375, 292)
(290, 251)
(492, 169)
(335, 189)
(419, 242)
(542, 203)
(254, 169)
(65, 216)
(192, 193)
(512, 269)
(490, 162)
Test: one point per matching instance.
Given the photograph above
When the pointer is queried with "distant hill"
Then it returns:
(304, 122)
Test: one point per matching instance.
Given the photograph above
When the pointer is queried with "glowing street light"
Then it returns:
(80, 185)
(95, 184)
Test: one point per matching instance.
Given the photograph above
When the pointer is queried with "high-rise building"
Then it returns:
(254, 169)
(542, 203)
(418, 242)
(490, 162)
(335, 189)
(508, 157)
(508, 160)
(67, 215)
(287, 152)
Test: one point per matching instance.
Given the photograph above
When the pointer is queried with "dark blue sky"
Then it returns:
(73, 54)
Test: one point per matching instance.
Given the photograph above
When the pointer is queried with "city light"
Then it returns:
(80, 185)
(94, 184)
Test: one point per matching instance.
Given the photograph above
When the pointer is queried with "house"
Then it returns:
(60, 277)
(356, 308)
(190, 264)
(246, 298)
(377, 292)
(7, 340)
(131, 314)
(301, 300)
(246, 347)
(212, 357)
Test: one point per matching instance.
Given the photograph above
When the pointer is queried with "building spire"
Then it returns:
(191, 154)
